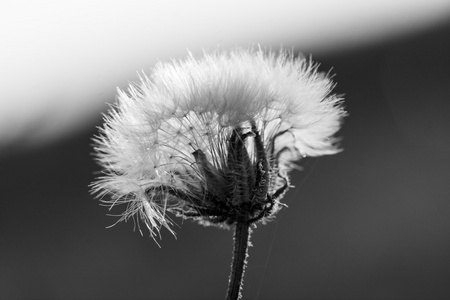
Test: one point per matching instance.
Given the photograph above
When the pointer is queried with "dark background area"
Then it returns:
(372, 222)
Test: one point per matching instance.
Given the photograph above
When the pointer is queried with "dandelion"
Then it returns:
(214, 140)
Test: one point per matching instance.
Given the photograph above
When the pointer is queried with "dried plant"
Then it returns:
(214, 140)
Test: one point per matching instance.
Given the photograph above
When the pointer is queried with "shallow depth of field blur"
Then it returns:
(372, 222)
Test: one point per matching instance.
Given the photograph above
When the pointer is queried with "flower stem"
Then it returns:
(241, 242)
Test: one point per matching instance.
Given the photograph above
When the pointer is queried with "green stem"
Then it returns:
(241, 241)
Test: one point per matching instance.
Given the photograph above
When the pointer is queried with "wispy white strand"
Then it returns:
(150, 134)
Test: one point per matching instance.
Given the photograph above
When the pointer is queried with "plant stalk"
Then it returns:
(241, 242)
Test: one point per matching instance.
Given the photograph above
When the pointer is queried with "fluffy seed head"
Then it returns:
(214, 138)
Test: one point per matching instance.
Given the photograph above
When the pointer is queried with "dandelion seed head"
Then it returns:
(214, 138)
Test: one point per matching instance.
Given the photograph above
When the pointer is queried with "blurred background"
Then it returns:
(372, 222)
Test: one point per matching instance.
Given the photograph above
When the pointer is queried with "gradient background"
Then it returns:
(372, 222)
